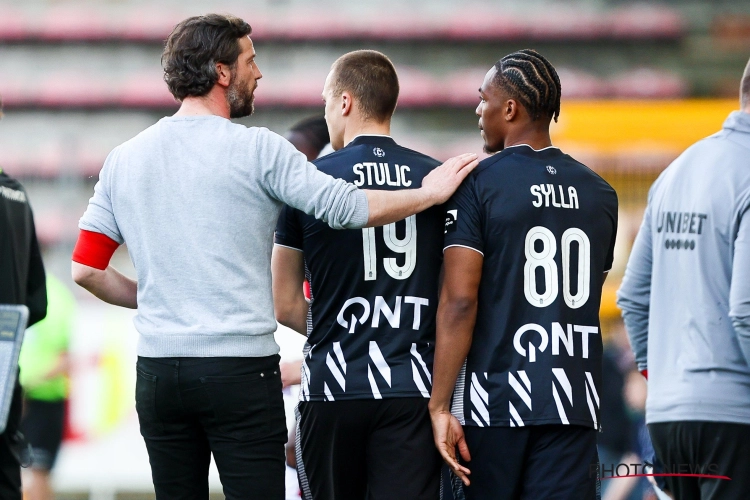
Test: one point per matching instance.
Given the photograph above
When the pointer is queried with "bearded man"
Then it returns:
(196, 198)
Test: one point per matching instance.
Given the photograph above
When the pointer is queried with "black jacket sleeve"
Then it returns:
(36, 289)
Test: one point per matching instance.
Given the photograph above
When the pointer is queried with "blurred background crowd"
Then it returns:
(641, 82)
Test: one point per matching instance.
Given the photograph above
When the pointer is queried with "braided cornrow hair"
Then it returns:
(530, 78)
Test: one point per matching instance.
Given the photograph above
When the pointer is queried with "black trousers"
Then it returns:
(712, 448)
(189, 408)
(10, 446)
(550, 462)
(367, 449)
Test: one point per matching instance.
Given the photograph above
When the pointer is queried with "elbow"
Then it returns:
(282, 317)
(83, 275)
(741, 326)
(284, 314)
(459, 308)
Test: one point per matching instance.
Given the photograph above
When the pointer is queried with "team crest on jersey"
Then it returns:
(378, 152)
(552, 170)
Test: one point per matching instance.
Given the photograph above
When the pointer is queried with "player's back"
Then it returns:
(546, 226)
(371, 327)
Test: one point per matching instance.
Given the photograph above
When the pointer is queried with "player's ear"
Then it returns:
(511, 110)
(347, 104)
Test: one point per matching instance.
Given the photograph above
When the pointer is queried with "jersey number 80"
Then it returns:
(545, 258)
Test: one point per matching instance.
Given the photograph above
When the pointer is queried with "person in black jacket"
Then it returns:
(22, 281)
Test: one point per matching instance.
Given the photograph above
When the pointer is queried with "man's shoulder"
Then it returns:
(361, 151)
(495, 162)
(8, 181)
(333, 159)
(417, 156)
(703, 153)
(217, 125)
(587, 172)
(11, 189)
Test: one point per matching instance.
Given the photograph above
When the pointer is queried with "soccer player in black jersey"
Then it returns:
(529, 238)
(364, 428)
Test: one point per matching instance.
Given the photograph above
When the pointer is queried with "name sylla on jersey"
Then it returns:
(380, 174)
(551, 195)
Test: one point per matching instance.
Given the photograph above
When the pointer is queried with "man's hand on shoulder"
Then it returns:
(442, 182)
(437, 186)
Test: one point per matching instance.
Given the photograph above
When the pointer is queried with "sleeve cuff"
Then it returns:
(463, 246)
(290, 246)
(361, 211)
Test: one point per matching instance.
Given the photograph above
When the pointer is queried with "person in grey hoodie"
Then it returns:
(196, 198)
(685, 300)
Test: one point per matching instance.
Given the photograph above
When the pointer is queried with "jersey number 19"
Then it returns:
(406, 245)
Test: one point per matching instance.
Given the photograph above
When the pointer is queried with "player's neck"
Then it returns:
(537, 139)
(213, 103)
(363, 128)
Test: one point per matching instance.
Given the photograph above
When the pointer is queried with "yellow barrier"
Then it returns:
(629, 142)
(628, 127)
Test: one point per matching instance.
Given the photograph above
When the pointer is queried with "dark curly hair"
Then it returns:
(529, 77)
(193, 49)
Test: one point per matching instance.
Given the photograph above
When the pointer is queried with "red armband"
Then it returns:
(645, 374)
(94, 249)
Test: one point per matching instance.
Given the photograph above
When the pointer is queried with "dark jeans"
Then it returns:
(10, 446)
(189, 408)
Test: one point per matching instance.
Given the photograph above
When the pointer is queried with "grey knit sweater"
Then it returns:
(196, 200)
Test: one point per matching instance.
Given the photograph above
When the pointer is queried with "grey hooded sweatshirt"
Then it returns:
(685, 296)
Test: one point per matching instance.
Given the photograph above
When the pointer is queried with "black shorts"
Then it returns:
(551, 462)
(42, 426)
(374, 449)
(711, 448)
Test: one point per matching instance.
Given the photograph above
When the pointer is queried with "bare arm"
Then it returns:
(289, 303)
(391, 206)
(457, 312)
(109, 284)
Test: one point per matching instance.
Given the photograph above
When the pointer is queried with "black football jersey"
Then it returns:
(546, 226)
(371, 327)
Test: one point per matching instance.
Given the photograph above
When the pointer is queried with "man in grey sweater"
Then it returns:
(196, 198)
(685, 299)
